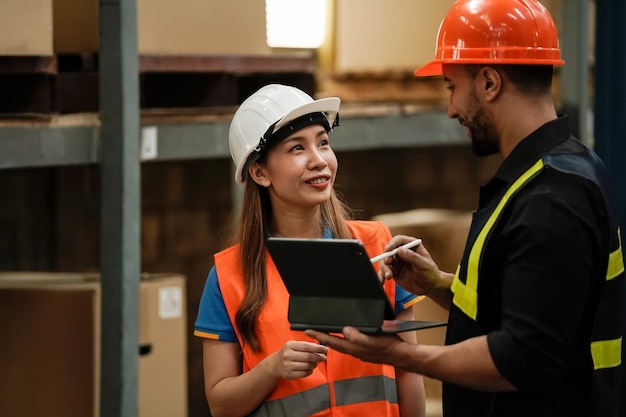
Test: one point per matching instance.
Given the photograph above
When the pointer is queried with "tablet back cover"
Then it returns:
(331, 283)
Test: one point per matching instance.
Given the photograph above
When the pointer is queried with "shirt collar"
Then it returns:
(524, 155)
(533, 147)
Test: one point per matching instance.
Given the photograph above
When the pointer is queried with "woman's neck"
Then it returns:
(306, 225)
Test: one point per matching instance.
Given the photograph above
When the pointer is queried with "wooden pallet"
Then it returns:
(397, 86)
(36, 85)
(64, 84)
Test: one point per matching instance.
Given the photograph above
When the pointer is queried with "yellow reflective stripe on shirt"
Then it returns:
(466, 295)
(606, 353)
(616, 260)
(465, 298)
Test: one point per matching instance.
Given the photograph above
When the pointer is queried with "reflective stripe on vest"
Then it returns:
(300, 404)
(365, 389)
(466, 294)
(314, 400)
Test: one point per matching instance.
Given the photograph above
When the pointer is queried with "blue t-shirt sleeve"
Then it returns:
(404, 299)
(213, 321)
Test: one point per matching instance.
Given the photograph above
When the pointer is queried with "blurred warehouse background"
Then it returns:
(116, 179)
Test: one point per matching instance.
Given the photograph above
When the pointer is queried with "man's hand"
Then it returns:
(376, 349)
(416, 272)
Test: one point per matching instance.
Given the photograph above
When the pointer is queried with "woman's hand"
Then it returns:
(297, 359)
(376, 349)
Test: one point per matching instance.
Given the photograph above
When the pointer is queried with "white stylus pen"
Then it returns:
(384, 255)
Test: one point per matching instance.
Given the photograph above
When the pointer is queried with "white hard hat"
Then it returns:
(264, 113)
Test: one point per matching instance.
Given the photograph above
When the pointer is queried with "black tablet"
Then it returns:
(332, 284)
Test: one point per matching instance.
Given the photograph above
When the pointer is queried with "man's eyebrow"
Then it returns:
(446, 79)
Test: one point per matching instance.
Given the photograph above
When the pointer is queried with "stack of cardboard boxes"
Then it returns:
(48, 27)
(50, 348)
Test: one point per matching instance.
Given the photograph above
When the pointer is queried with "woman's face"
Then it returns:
(300, 171)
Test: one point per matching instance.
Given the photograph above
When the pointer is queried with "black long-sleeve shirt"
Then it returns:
(539, 278)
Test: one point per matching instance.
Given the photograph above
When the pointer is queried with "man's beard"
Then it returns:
(484, 137)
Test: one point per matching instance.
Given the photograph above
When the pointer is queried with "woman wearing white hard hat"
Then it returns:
(254, 365)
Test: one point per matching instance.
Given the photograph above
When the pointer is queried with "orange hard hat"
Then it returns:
(495, 32)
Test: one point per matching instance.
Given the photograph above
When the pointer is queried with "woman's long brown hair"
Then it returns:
(251, 231)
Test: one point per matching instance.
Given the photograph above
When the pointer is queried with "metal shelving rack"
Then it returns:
(39, 146)
(113, 142)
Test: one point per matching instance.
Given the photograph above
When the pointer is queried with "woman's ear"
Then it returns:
(491, 82)
(258, 174)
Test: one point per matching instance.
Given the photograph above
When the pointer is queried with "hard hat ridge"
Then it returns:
(514, 32)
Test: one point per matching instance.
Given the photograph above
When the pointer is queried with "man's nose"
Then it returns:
(452, 112)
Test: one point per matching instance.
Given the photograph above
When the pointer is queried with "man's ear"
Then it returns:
(490, 82)
(258, 174)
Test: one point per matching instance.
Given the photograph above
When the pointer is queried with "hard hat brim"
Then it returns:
(431, 68)
(329, 106)
(435, 67)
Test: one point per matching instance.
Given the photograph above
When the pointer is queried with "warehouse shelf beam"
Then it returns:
(43, 146)
(22, 147)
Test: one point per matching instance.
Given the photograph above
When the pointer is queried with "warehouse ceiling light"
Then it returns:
(295, 23)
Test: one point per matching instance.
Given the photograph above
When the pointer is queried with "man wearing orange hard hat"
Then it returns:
(534, 325)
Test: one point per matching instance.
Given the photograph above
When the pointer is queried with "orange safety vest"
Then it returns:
(342, 386)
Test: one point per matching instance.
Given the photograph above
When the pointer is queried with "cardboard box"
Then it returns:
(50, 349)
(26, 27)
(48, 27)
(163, 343)
(188, 27)
(374, 35)
(444, 233)
(50, 342)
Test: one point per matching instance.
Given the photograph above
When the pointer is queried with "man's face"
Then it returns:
(465, 105)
